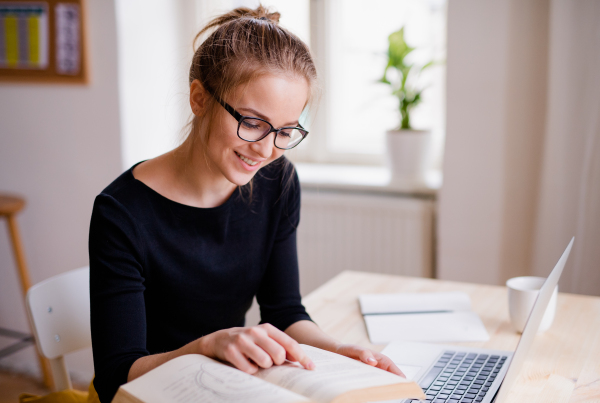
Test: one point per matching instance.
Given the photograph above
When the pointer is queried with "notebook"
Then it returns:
(429, 316)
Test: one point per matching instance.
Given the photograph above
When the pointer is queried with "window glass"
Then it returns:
(294, 16)
(360, 108)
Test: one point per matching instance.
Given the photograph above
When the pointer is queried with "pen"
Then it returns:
(404, 313)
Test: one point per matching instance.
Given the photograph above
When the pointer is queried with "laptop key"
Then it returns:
(430, 377)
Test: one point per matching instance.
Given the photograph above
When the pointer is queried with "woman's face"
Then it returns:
(276, 99)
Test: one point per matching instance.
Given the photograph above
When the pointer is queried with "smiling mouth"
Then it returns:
(246, 159)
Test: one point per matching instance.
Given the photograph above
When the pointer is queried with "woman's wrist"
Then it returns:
(204, 345)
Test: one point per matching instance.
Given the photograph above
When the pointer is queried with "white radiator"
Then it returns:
(376, 233)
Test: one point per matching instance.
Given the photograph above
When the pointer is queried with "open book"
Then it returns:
(196, 378)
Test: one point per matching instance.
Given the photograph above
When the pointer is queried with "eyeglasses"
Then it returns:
(255, 129)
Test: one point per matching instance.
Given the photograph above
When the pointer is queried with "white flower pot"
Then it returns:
(408, 157)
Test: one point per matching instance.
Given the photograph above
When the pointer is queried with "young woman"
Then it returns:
(180, 244)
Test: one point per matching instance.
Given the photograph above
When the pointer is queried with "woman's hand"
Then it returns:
(369, 357)
(249, 348)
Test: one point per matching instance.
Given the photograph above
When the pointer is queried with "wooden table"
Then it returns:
(563, 364)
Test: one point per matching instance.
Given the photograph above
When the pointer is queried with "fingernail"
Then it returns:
(310, 365)
(371, 359)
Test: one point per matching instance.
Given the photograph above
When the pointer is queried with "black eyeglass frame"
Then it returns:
(239, 117)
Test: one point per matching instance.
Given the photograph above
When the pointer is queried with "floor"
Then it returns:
(12, 385)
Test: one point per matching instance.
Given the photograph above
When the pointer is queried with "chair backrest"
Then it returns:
(59, 312)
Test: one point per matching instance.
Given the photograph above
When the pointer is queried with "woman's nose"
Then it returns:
(264, 147)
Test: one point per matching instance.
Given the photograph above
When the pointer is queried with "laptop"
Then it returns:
(455, 374)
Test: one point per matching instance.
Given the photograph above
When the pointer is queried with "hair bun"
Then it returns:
(263, 13)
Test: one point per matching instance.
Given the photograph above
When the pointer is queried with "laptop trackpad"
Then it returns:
(415, 357)
(410, 371)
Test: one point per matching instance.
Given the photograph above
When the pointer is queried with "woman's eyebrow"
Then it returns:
(260, 115)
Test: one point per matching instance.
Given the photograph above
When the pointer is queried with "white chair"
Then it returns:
(59, 313)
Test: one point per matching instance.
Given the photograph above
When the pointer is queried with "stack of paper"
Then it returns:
(431, 317)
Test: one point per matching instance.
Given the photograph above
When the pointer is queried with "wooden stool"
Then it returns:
(9, 207)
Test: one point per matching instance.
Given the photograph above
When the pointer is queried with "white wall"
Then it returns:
(59, 147)
(522, 163)
(496, 97)
(569, 198)
(155, 52)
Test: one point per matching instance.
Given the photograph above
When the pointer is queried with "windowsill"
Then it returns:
(370, 179)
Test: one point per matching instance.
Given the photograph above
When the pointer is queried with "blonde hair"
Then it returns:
(244, 45)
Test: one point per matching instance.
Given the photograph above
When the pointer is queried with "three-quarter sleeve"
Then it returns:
(279, 292)
(118, 321)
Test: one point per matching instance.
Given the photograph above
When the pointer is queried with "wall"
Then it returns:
(155, 52)
(496, 97)
(59, 147)
(522, 169)
(569, 198)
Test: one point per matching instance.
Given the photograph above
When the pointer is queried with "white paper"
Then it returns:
(424, 317)
(67, 38)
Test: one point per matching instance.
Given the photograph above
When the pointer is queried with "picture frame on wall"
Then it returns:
(43, 41)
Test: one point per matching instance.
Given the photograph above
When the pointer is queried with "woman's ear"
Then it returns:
(198, 97)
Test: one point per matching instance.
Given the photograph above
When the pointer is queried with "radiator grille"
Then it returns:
(375, 233)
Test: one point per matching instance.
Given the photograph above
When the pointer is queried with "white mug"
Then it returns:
(522, 293)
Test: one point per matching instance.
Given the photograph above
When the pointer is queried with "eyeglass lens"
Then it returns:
(251, 129)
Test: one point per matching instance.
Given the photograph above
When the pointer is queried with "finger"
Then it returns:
(235, 357)
(248, 347)
(272, 348)
(291, 347)
(387, 364)
(356, 352)
(367, 357)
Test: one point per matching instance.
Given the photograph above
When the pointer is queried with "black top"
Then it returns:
(163, 274)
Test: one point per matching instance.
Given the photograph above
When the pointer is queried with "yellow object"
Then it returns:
(34, 40)
(64, 396)
(12, 40)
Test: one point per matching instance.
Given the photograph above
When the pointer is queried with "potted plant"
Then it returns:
(407, 149)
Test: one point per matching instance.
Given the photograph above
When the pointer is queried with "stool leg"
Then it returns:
(25, 284)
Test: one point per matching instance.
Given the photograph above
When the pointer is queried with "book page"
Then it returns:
(334, 375)
(196, 378)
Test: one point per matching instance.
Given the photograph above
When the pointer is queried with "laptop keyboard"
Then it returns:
(460, 377)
